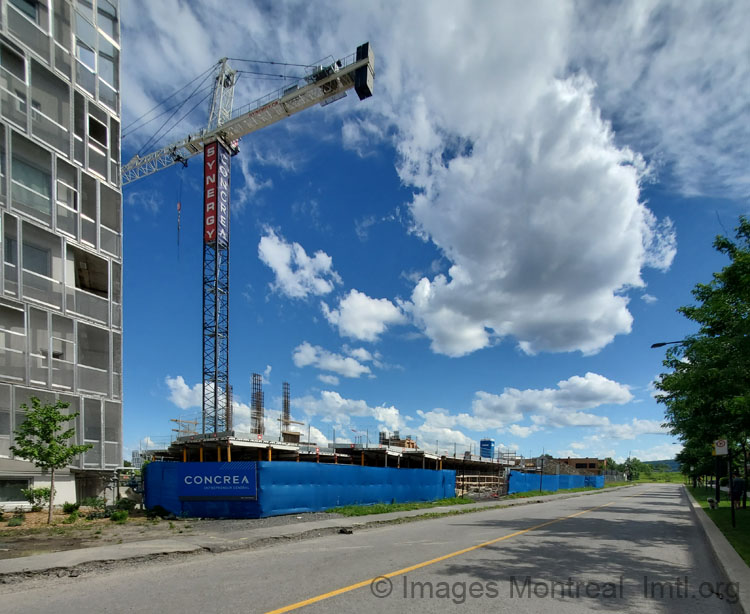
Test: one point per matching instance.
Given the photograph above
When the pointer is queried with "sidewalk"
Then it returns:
(729, 562)
(72, 562)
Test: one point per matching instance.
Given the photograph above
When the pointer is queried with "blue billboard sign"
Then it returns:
(487, 448)
(205, 481)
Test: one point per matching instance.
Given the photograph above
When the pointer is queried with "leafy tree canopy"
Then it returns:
(707, 391)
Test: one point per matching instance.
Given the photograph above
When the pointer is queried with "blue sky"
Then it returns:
(487, 247)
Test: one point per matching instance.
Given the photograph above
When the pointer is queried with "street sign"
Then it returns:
(720, 447)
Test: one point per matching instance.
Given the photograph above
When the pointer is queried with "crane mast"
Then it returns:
(217, 141)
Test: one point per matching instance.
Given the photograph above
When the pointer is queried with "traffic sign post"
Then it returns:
(721, 447)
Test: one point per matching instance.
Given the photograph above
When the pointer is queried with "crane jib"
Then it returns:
(327, 84)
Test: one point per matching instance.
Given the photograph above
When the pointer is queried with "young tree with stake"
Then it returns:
(38, 440)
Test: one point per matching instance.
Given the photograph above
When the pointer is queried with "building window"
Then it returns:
(107, 18)
(10, 250)
(31, 185)
(13, 61)
(98, 132)
(10, 489)
(85, 43)
(30, 8)
(37, 260)
(86, 7)
(86, 56)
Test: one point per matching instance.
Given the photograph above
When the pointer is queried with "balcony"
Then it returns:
(87, 305)
(33, 203)
(13, 98)
(110, 241)
(24, 30)
(63, 372)
(52, 133)
(38, 369)
(13, 364)
(42, 289)
(91, 379)
(11, 279)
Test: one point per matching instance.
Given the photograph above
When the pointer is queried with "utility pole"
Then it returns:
(541, 472)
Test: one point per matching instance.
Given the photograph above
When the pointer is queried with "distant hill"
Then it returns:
(673, 464)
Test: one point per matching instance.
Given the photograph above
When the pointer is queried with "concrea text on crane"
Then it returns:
(216, 170)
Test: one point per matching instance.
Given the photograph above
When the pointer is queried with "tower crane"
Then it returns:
(218, 142)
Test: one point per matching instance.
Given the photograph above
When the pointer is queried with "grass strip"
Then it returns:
(738, 536)
(385, 508)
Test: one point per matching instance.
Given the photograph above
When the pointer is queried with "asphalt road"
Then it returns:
(633, 550)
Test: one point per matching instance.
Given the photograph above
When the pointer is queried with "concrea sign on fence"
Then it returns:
(226, 481)
(263, 488)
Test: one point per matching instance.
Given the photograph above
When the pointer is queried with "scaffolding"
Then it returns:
(287, 434)
(185, 427)
(256, 419)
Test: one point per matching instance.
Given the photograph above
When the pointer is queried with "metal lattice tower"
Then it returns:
(257, 403)
(285, 416)
(221, 103)
(216, 289)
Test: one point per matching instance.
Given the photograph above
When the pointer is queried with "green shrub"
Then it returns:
(69, 508)
(126, 504)
(38, 497)
(16, 521)
(724, 481)
(96, 502)
(71, 519)
(119, 516)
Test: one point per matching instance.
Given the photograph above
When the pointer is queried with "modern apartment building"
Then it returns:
(61, 233)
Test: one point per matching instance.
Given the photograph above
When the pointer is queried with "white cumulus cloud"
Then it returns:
(297, 275)
(182, 395)
(361, 317)
(308, 355)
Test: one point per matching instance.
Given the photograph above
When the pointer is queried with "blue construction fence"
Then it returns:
(525, 482)
(260, 489)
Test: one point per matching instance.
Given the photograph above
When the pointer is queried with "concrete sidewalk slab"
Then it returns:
(50, 563)
(71, 558)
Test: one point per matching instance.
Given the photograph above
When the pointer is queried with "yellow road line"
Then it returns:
(351, 587)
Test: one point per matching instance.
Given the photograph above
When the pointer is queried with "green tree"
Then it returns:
(613, 465)
(40, 440)
(634, 467)
(707, 391)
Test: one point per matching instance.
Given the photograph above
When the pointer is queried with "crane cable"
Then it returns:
(128, 132)
(152, 140)
(131, 126)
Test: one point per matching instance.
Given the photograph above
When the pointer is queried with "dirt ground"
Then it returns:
(35, 536)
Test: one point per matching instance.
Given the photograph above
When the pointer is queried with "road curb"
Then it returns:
(729, 562)
(70, 562)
